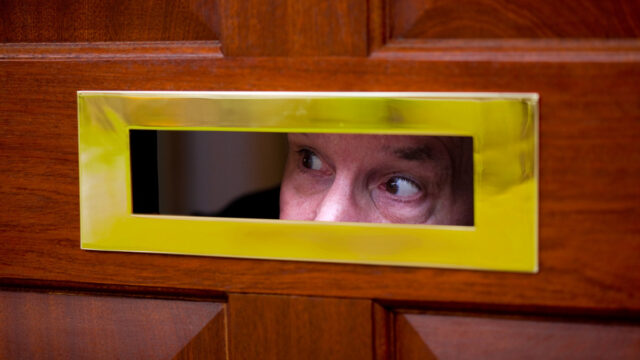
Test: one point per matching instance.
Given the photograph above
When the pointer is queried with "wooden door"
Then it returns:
(58, 301)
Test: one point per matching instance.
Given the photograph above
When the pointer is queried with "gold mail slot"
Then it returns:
(411, 179)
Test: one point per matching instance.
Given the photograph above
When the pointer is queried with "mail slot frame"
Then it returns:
(504, 127)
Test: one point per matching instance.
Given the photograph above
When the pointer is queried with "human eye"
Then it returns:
(402, 198)
(401, 187)
(309, 159)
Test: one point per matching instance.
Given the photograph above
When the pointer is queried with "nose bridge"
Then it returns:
(339, 202)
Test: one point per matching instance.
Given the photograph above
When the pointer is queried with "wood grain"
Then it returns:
(574, 51)
(583, 58)
(69, 326)
(210, 343)
(294, 28)
(589, 170)
(435, 336)
(379, 24)
(119, 20)
(137, 50)
(289, 327)
(519, 19)
(383, 323)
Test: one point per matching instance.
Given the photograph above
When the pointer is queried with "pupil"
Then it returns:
(307, 159)
(392, 186)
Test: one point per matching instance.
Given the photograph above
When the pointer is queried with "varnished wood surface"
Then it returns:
(435, 336)
(132, 50)
(584, 61)
(383, 341)
(514, 19)
(84, 326)
(210, 343)
(574, 51)
(589, 171)
(290, 327)
(115, 20)
(294, 28)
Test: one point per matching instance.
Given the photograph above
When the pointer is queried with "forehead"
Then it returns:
(371, 140)
(393, 145)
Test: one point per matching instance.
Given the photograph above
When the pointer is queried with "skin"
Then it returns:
(378, 179)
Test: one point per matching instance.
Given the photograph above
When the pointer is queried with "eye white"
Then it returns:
(314, 162)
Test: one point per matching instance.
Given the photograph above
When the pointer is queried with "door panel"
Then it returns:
(116, 20)
(509, 19)
(435, 336)
(38, 325)
(584, 63)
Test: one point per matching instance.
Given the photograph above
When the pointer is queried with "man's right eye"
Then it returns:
(401, 187)
(310, 160)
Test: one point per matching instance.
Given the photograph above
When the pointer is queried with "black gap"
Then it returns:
(144, 171)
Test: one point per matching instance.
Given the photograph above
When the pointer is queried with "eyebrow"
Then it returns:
(414, 153)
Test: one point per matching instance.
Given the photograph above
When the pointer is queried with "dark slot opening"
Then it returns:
(144, 171)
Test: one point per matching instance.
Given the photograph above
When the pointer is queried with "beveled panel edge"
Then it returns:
(510, 50)
(152, 50)
(110, 289)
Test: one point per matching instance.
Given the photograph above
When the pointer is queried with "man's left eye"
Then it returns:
(310, 160)
(401, 186)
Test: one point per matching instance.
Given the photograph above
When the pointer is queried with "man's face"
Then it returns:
(377, 179)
